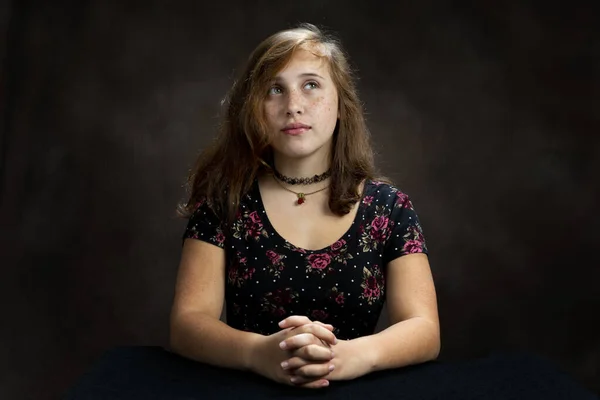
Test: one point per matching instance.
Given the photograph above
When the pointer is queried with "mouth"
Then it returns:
(295, 129)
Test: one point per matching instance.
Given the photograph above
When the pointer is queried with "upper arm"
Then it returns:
(409, 282)
(200, 283)
(410, 289)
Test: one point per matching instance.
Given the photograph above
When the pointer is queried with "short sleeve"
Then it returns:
(406, 233)
(204, 225)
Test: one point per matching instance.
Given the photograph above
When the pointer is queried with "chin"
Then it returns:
(297, 154)
(300, 150)
(304, 151)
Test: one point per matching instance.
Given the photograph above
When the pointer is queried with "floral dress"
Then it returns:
(269, 278)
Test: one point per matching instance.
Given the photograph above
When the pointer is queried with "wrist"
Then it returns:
(252, 351)
(366, 349)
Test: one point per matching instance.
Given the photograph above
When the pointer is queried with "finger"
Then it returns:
(297, 341)
(299, 320)
(296, 362)
(313, 352)
(294, 321)
(318, 331)
(326, 326)
(311, 372)
(316, 384)
(300, 340)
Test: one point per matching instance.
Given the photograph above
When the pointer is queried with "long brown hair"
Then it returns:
(224, 172)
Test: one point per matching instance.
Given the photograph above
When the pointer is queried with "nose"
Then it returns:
(294, 103)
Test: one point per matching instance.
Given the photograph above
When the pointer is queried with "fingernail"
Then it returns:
(332, 354)
(293, 379)
(283, 345)
(331, 367)
(280, 323)
(326, 383)
(335, 341)
(284, 365)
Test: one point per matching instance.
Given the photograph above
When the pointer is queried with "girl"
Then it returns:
(290, 227)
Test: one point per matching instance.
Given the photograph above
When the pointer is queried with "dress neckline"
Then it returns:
(286, 243)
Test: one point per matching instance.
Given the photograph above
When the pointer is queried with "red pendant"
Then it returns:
(300, 198)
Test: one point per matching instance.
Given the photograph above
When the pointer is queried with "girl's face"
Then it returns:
(301, 107)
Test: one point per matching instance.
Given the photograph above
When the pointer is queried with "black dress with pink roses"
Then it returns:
(268, 278)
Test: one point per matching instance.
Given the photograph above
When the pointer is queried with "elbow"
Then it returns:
(186, 332)
(432, 343)
(436, 343)
(436, 347)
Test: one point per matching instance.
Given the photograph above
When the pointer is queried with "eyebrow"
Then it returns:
(303, 75)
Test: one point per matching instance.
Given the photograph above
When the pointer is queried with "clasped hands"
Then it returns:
(306, 353)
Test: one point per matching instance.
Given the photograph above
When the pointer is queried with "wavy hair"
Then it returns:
(224, 171)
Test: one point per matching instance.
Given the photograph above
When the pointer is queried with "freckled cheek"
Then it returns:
(321, 104)
(328, 107)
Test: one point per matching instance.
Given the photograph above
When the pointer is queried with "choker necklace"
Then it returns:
(301, 196)
(302, 181)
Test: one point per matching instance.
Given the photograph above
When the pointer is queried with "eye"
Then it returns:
(311, 85)
(274, 90)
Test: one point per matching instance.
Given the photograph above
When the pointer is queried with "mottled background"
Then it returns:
(486, 115)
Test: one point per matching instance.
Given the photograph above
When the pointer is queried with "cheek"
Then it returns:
(270, 111)
(319, 102)
(324, 105)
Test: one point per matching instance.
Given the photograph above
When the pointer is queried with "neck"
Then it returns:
(301, 167)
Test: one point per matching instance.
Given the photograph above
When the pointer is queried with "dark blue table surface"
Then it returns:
(155, 373)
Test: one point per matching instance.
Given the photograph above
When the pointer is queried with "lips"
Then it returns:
(295, 128)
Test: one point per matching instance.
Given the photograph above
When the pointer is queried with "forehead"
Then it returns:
(304, 61)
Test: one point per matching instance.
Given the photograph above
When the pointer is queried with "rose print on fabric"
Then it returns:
(277, 302)
(402, 201)
(338, 297)
(193, 232)
(217, 237)
(372, 285)
(319, 315)
(319, 263)
(249, 225)
(339, 252)
(375, 232)
(414, 242)
(367, 200)
(275, 265)
(238, 272)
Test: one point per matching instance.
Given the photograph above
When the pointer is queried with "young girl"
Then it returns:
(291, 229)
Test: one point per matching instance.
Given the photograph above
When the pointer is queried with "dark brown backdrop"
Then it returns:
(486, 115)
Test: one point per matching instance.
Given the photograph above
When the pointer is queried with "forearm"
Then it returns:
(206, 339)
(412, 341)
